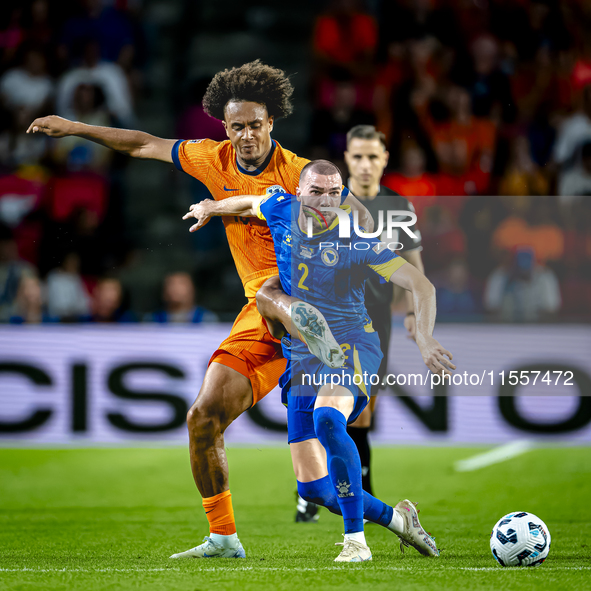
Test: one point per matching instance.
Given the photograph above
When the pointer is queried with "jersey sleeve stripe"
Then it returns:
(386, 269)
(344, 194)
(258, 211)
(175, 154)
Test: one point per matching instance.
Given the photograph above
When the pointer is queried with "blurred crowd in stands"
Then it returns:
(475, 99)
(60, 201)
(486, 107)
(510, 258)
(489, 98)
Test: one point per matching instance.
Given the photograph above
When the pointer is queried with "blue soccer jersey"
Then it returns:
(327, 271)
(330, 273)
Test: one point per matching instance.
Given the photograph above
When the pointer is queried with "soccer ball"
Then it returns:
(520, 539)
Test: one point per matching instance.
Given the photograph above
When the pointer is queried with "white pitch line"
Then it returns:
(298, 569)
(86, 570)
(495, 456)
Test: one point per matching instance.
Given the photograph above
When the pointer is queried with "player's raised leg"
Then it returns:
(284, 313)
(224, 396)
(278, 309)
(274, 306)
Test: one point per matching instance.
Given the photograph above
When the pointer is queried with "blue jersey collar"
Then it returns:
(262, 167)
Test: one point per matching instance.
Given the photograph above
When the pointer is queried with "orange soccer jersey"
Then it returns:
(249, 346)
(215, 165)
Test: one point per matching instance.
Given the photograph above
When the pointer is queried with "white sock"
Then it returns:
(397, 523)
(358, 536)
(302, 504)
(230, 541)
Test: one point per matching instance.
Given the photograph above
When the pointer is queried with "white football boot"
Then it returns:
(316, 333)
(353, 551)
(414, 535)
(211, 549)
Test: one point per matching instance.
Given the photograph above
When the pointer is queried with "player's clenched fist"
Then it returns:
(201, 212)
(52, 126)
(434, 355)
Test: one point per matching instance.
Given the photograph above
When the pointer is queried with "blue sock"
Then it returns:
(344, 465)
(322, 493)
(376, 510)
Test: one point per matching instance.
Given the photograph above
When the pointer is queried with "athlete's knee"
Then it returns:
(329, 418)
(329, 423)
(203, 422)
(264, 297)
(262, 300)
(224, 396)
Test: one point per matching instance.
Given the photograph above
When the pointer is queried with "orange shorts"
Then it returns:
(252, 351)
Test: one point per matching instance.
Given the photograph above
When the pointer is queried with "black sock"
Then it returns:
(360, 436)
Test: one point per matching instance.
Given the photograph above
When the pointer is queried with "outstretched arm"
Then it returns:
(127, 141)
(423, 292)
(242, 205)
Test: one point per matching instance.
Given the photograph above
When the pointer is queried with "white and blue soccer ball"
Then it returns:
(520, 539)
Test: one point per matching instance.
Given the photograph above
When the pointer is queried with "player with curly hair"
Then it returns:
(253, 82)
(248, 364)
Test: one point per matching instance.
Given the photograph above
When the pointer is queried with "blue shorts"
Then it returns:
(305, 375)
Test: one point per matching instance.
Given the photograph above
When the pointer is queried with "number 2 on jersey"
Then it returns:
(303, 267)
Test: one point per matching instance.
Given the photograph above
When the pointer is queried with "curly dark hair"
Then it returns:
(253, 82)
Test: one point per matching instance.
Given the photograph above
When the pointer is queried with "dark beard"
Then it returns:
(252, 160)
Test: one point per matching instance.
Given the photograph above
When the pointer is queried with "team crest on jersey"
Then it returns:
(274, 189)
(195, 141)
(287, 239)
(306, 253)
(330, 257)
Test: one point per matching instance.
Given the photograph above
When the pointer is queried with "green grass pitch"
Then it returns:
(82, 519)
